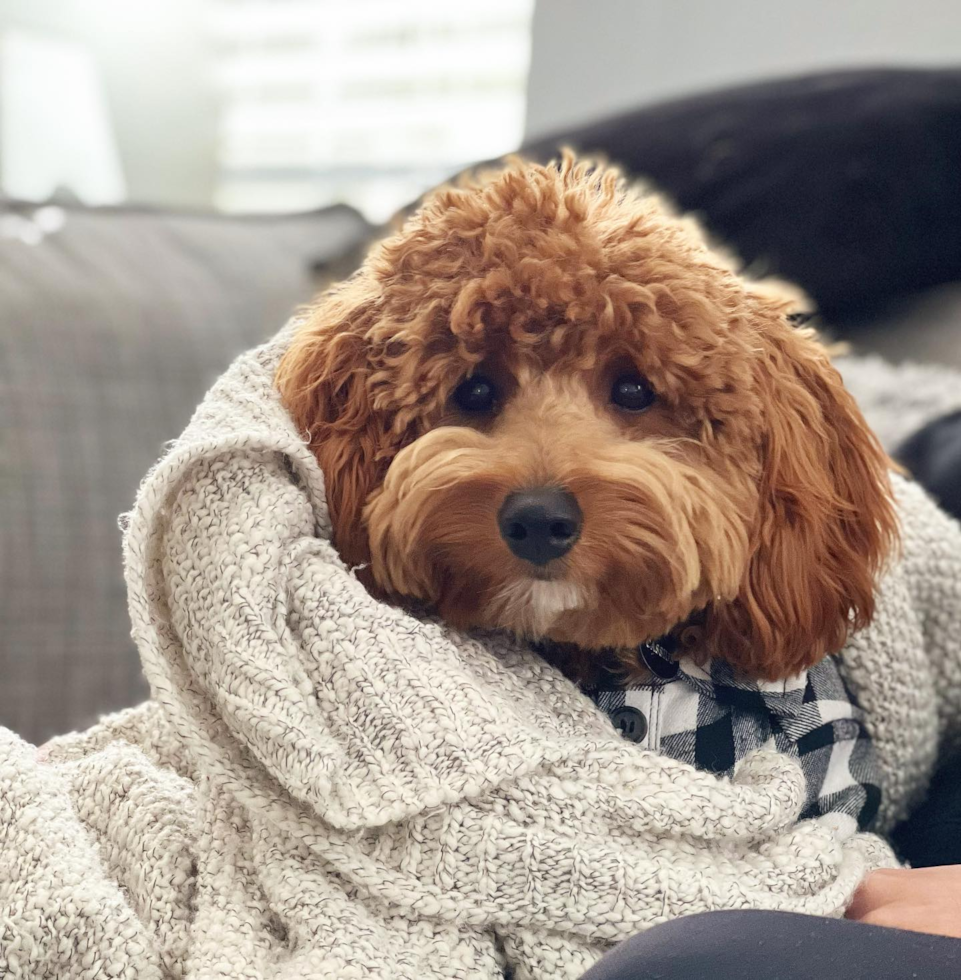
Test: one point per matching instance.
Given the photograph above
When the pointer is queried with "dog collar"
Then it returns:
(658, 657)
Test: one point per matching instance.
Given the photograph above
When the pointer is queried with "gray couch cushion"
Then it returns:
(111, 329)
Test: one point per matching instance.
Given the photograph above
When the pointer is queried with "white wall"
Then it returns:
(592, 58)
(154, 57)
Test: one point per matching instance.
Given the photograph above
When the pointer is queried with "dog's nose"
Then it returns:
(540, 525)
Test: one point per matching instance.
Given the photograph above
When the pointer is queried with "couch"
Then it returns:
(113, 323)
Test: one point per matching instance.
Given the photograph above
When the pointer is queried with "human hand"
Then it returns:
(919, 899)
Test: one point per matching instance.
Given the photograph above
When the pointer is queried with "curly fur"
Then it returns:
(750, 502)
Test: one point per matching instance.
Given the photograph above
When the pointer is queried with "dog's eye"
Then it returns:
(632, 393)
(475, 394)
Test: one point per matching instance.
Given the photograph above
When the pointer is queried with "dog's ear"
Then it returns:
(825, 523)
(324, 381)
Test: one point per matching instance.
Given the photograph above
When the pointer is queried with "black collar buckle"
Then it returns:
(656, 656)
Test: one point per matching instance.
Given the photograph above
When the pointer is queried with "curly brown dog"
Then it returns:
(546, 405)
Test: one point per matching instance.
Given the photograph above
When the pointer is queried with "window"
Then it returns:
(366, 101)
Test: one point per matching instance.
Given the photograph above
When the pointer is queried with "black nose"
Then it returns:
(540, 525)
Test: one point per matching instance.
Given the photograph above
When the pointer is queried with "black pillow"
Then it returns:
(933, 457)
(845, 183)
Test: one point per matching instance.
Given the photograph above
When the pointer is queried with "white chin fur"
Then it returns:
(531, 607)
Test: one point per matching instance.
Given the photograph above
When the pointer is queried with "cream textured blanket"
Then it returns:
(324, 786)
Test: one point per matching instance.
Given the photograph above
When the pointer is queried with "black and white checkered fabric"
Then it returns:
(710, 718)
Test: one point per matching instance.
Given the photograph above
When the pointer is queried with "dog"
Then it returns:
(548, 405)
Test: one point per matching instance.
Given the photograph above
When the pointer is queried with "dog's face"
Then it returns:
(567, 488)
(546, 406)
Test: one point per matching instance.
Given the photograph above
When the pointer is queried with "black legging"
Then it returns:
(778, 946)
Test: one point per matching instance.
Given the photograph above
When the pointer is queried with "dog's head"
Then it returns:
(546, 405)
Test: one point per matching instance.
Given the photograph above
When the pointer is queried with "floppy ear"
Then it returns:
(324, 382)
(825, 523)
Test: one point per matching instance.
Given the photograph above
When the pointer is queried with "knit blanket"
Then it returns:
(325, 786)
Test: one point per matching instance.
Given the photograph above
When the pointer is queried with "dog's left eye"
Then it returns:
(475, 394)
(632, 393)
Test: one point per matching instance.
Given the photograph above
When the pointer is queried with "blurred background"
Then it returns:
(287, 105)
(176, 176)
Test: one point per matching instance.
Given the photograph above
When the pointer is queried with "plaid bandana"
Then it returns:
(709, 717)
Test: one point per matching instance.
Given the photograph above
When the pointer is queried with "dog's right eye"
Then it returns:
(632, 393)
(475, 394)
